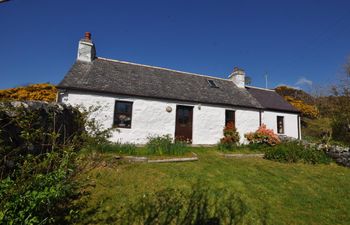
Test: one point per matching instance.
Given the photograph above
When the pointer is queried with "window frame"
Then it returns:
(280, 118)
(115, 113)
(234, 117)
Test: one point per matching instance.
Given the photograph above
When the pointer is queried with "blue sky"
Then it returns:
(294, 42)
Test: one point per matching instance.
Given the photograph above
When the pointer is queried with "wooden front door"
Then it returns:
(183, 127)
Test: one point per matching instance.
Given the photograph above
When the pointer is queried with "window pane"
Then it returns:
(123, 114)
(280, 125)
(212, 84)
(184, 116)
(230, 117)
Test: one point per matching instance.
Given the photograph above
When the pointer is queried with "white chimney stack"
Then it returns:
(86, 49)
(238, 77)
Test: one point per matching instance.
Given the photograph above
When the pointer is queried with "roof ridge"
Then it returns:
(162, 68)
(265, 89)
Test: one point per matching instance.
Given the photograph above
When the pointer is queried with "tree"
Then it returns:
(341, 107)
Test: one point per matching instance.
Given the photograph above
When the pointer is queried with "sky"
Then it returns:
(302, 44)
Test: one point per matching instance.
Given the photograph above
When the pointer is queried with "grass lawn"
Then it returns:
(289, 193)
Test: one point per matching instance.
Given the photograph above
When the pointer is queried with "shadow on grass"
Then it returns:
(200, 205)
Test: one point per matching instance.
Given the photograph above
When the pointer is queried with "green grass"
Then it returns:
(290, 193)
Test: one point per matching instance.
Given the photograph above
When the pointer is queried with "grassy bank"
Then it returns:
(281, 193)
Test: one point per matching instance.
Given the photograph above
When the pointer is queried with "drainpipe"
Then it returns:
(299, 128)
(260, 122)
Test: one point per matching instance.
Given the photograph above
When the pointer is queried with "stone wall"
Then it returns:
(340, 154)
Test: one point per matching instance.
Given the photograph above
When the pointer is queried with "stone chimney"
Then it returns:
(86, 49)
(238, 77)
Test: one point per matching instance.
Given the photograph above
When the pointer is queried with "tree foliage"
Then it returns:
(341, 108)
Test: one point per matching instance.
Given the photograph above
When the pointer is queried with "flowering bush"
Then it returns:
(39, 92)
(231, 137)
(307, 110)
(263, 136)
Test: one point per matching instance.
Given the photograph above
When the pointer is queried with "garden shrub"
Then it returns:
(35, 128)
(263, 136)
(36, 196)
(94, 134)
(164, 145)
(230, 139)
(38, 148)
(293, 152)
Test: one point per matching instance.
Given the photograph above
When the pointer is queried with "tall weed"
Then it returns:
(164, 145)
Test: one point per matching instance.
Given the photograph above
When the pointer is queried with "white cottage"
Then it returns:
(143, 101)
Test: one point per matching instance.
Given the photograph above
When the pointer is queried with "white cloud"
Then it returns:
(303, 81)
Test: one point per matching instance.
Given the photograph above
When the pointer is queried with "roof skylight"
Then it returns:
(212, 84)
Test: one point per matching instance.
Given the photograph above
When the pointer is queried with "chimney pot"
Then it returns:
(88, 36)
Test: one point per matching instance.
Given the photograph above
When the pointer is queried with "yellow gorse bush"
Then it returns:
(41, 92)
(309, 111)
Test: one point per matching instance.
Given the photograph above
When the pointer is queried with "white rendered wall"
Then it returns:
(208, 123)
(290, 122)
(247, 121)
(150, 118)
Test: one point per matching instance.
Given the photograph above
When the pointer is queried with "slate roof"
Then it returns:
(270, 99)
(124, 78)
(117, 77)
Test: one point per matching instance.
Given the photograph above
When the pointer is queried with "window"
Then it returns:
(184, 116)
(122, 114)
(230, 117)
(212, 84)
(280, 124)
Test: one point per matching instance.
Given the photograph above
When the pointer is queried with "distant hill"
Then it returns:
(41, 92)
